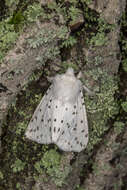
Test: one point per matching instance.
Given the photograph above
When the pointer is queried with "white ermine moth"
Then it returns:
(60, 118)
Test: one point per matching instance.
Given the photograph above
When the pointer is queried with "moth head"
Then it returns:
(70, 71)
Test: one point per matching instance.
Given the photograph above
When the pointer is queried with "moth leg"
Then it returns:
(79, 76)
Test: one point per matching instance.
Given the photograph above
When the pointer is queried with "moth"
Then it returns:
(61, 118)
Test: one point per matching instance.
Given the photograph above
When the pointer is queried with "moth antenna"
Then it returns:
(88, 91)
(79, 75)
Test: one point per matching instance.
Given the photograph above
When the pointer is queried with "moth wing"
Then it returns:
(70, 131)
(39, 128)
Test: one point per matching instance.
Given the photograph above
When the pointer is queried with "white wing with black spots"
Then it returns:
(60, 118)
(39, 128)
(71, 127)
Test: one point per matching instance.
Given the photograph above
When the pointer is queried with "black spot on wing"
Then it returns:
(81, 144)
(61, 121)
(81, 121)
(37, 128)
(49, 120)
(68, 125)
(55, 120)
(58, 129)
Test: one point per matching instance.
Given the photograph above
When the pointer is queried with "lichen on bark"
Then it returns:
(50, 44)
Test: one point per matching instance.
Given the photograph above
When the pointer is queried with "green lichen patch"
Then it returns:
(123, 41)
(119, 126)
(102, 105)
(51, 164)
(99, 40)
(1, 175)
(48, 38)
(13, 25)
(8, 37)
(100, 37)
(34, 12)
(124, 106)
(18, 166)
